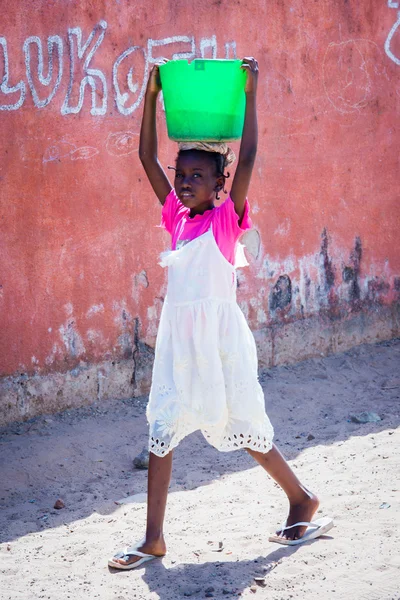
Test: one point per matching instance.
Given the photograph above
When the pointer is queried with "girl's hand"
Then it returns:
(154, 82)
(251, 66)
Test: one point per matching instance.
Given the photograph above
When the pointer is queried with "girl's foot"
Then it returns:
(300, 511)
(155, 547)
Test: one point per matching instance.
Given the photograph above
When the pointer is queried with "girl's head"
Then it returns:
(200, 175)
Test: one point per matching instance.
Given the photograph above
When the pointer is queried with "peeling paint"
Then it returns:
(69, 309)
(71, 339)
(94, 310)
(283, 228)
(252, 241)
(139, 282)
(95, 336)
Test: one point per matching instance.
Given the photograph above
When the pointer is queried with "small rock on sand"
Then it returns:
(59, 504)
(191, 590)
(142, 460)
(365, 417)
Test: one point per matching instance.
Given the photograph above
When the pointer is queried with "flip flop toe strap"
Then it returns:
(134, 552)
(129, 552)
(301, 524)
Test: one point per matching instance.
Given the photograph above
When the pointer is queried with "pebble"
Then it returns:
(365, 417)
(59, 504)
(142, 460)
(310, 437)
(191, 590)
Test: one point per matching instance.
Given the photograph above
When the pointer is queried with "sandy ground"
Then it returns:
(221, 507)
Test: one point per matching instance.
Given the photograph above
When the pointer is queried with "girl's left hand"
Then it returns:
(251, 66)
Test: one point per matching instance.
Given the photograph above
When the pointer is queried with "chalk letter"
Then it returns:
(230, 49)
(176, 39)
(90, 74)
(388, 51)
(5, 88)
(52, 41)
(122, 98)
(208, 43)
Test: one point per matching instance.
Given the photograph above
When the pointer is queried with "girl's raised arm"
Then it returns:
(148, 139)
(248, 146)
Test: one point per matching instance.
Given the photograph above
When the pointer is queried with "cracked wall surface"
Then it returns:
(81, 290)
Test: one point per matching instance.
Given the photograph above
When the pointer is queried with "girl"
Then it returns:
(205, 368)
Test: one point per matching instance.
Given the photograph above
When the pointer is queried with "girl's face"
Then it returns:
(196, 181)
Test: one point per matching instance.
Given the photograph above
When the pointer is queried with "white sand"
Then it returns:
(85, 457)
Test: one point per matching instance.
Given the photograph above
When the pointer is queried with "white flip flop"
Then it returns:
(126, 554)
(314, 530)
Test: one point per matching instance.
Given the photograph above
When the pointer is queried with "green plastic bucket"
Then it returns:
(204, 100)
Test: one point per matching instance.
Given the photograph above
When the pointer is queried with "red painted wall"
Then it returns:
(79, 241)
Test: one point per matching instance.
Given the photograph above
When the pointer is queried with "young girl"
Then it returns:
(205, 368)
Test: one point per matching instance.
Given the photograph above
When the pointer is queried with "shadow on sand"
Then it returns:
(85, 455)
(215, 578)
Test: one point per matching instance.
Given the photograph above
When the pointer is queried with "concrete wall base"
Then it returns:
(23, 396)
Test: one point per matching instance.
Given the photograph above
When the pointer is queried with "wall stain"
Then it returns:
(281, 293)
(143, 357)
(125, 340)
(377, 287)
(396, 287)
(327, 266)
(351, 274)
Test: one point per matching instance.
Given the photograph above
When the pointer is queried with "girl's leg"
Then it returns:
(303, 504)
(157, 491)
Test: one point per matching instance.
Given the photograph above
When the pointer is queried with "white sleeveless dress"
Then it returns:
(205, 367)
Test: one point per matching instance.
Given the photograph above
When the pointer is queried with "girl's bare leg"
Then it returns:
(303, 504)
(157, 491)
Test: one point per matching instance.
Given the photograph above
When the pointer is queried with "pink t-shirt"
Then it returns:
(224, 220)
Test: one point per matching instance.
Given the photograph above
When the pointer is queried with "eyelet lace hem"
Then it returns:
(257, 442)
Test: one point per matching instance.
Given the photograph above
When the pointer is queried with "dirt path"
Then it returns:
(221, 507)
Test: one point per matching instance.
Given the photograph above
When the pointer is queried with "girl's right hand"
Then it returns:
(154, 82)
(250, 65)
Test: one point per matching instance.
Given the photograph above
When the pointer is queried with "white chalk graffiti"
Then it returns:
(208, 43)
(75, 34)
(83, 153)
(347, 74)
(64, 149)
(389, 38)
(176, 39)
(129, 71)
(148, 59)
(5, 87)
(122, 98)
(52, 41)
(122, 143)
(230, 50)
